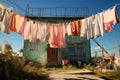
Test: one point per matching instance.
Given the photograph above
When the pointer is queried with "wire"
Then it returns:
(16, 5)
(118, 4)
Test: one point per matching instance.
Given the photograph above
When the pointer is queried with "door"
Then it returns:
(52, 56)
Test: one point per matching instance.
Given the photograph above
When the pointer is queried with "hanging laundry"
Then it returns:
(23, 24)
(19, 20)
(100, 23)
(90, 27)
(13, 23)
(96, 27)
(83, 31)
(42, 31)
(78, 27)
(109, 19)
(25, 29)
(57, 35)
(16, 22)
(75, 28)
(33, 31)
(6, 22)
(2, 12)
(68, 28)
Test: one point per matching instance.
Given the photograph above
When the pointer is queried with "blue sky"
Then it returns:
(109, 40)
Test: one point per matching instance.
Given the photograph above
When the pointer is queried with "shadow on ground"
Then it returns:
(80, 78)
(84, 73)
(24, 76)
(105, 78)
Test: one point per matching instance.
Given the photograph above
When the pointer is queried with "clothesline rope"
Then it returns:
(90, 27)
(118, 4)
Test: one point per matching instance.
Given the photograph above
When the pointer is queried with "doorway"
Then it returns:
(52, 55)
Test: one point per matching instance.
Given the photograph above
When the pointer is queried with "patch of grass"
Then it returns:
(106, 74)
(89, 67)
(34, 69)
(109, 75)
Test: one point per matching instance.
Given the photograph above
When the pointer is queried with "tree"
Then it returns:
(7, 49)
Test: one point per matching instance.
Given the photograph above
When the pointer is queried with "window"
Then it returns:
(76, 49)
(34, 46)
(71, 50)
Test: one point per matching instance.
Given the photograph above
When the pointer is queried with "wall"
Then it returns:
(37, 56)
(87, 53)
(41, 55)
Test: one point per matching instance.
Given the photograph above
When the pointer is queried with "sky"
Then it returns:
(110, 41)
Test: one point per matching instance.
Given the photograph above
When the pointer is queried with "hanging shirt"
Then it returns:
(90, 27)
(33, 31)
(16, 22)
(21, 31)
(73, 29)
(109, 19)
(19, 20)
(96, 27)
(13, 23)
(83, 31)
(68, 29)
(6, 22)
(26, 33)
(100, 23)
(2, 12)
(57, 35)
(78, 27)
(42, 31)
(25, 29)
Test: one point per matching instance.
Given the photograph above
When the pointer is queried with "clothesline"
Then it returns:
(34, 20)
(90, 27)
(118, 4)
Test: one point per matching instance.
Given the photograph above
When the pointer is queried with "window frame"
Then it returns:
(34, 46)
(76, 47)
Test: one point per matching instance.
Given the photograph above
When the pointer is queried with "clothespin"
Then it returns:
(28, 19)
(34, 21)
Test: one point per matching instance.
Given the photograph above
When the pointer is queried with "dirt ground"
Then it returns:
(79, 74)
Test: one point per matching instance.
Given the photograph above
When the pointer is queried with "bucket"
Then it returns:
(65, 62)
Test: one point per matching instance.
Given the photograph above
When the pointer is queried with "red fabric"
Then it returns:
(13, 24)
(76, 25)
(57, 35)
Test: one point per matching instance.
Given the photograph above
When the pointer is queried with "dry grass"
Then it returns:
(33, 69)
(106, 74)
(109, 75)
